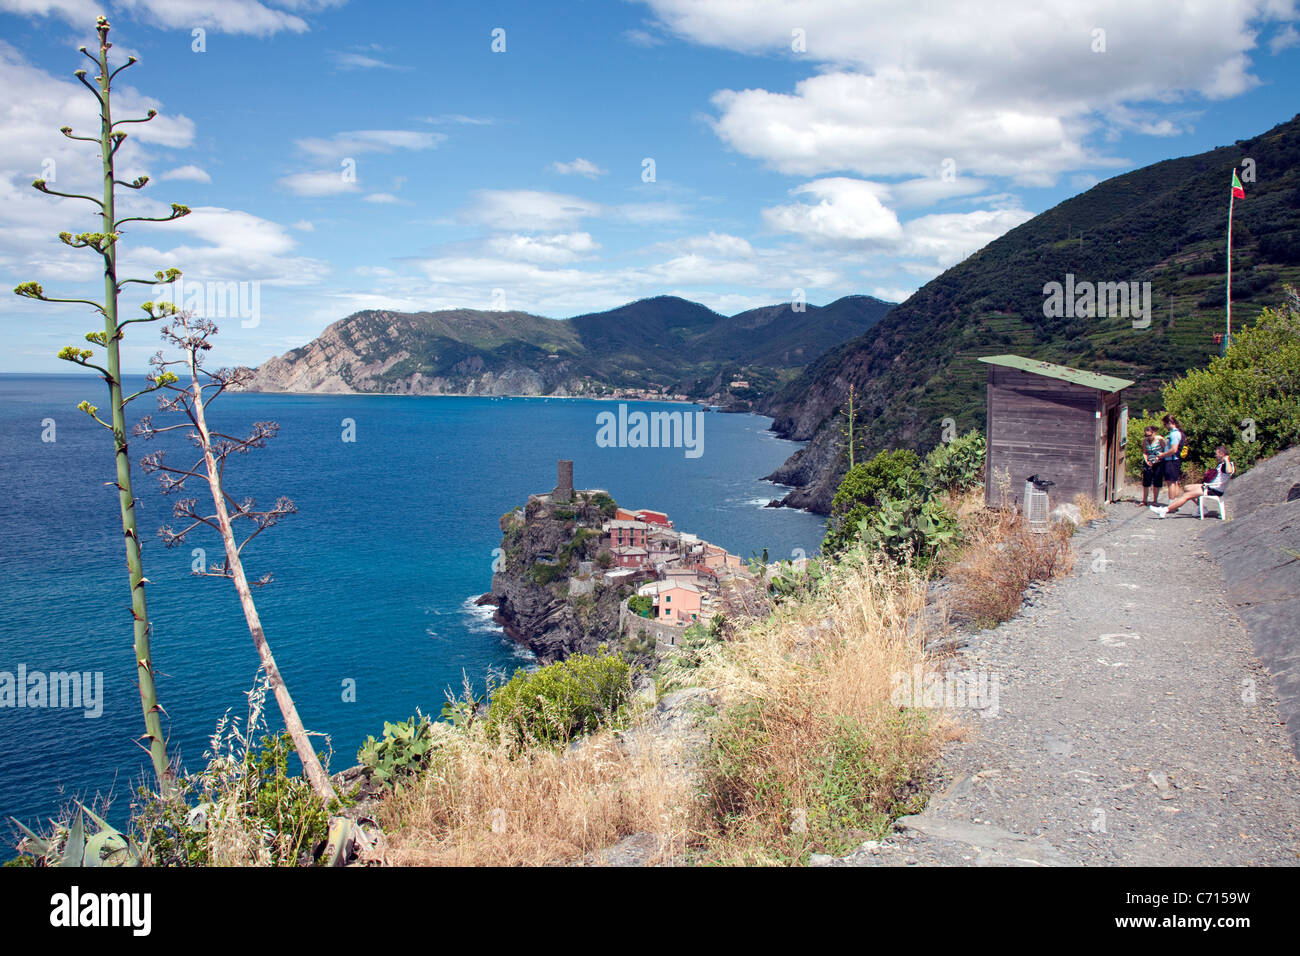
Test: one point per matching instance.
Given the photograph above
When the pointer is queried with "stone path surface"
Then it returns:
(1135, 724)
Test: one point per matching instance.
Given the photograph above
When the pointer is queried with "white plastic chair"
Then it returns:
(1219, 499)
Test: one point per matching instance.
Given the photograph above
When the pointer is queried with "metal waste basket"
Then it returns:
(1037, 510)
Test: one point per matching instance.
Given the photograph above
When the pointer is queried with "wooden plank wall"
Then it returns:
(1039, 425)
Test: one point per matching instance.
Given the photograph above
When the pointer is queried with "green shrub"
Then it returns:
(544, 574)
(889, 474)
(791, 581)
(641, 604)
(958, 464)
(642, 645)
(1257, 380)
(888, 503)
(405, 749)
(561, 701)
(909, 530)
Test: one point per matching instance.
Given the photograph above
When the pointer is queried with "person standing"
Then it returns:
(1172, 457)
(1153, 468)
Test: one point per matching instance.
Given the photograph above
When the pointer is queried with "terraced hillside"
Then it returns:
(1164, 224)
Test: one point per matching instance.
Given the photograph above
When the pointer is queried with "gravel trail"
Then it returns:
(1134, 723)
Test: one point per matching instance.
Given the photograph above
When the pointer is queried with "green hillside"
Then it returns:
(1164, 224)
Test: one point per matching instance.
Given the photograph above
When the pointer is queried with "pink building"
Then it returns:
(675, 602)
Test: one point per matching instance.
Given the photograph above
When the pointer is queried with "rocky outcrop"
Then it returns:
(419, 354)
(814, 471)
(547, 545)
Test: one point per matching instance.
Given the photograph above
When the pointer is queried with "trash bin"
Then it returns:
(1037, 510)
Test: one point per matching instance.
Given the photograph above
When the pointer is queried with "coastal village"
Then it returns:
(678, 577)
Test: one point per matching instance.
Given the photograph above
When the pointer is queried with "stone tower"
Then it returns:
(563, 492)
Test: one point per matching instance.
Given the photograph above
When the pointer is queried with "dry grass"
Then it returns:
(810, 752)
(831, 744)
(1000, 558)
(1089, 510)
(490, 805)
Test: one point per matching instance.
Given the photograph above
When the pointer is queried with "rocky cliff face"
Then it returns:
(546, 544)
(399, 353)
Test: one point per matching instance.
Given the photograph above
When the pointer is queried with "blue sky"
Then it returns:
(830, 146)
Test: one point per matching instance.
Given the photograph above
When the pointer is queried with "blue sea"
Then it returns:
(374, 578)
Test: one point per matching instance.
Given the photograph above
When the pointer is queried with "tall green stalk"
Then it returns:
(105, 244)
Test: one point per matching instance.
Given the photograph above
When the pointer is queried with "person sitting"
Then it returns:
(1215, 481)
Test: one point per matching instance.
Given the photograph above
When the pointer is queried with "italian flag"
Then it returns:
(1237, 191)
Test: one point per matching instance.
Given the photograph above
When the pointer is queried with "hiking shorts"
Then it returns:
(1153, 476)
(1173, 470)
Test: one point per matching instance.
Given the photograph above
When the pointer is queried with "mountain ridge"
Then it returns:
(662, 345)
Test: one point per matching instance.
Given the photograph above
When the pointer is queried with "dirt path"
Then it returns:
(1134, 724)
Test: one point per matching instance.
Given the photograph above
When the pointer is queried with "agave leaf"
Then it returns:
(39, 844)
(74, 851)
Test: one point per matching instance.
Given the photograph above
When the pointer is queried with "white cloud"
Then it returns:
(229, 16)
(527, 209)
(80, 12)
(892, 293)
(554, 248)
(319, 182)
(642, 38)
(226, 244)
(579, 167)
(1004, 88)
(846, 209)
(382, 198)
(304, 225)
(190, 173)
(362, 141)
(359, 61)
(944, 239)
(458, 119)
(849, 214)
(35, 105)
(715, 243)
(1284, 39)
(898, 122)
(926, 191)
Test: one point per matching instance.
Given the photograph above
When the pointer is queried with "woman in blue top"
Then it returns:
(1173, 457)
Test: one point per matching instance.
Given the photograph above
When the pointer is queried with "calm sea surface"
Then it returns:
(374, 578)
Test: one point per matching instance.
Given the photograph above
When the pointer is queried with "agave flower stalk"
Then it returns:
(191, 337)
(104, 243)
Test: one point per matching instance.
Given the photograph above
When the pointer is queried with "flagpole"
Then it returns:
(1232, 199)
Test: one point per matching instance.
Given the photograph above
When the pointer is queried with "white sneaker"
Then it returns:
(1161, 510)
